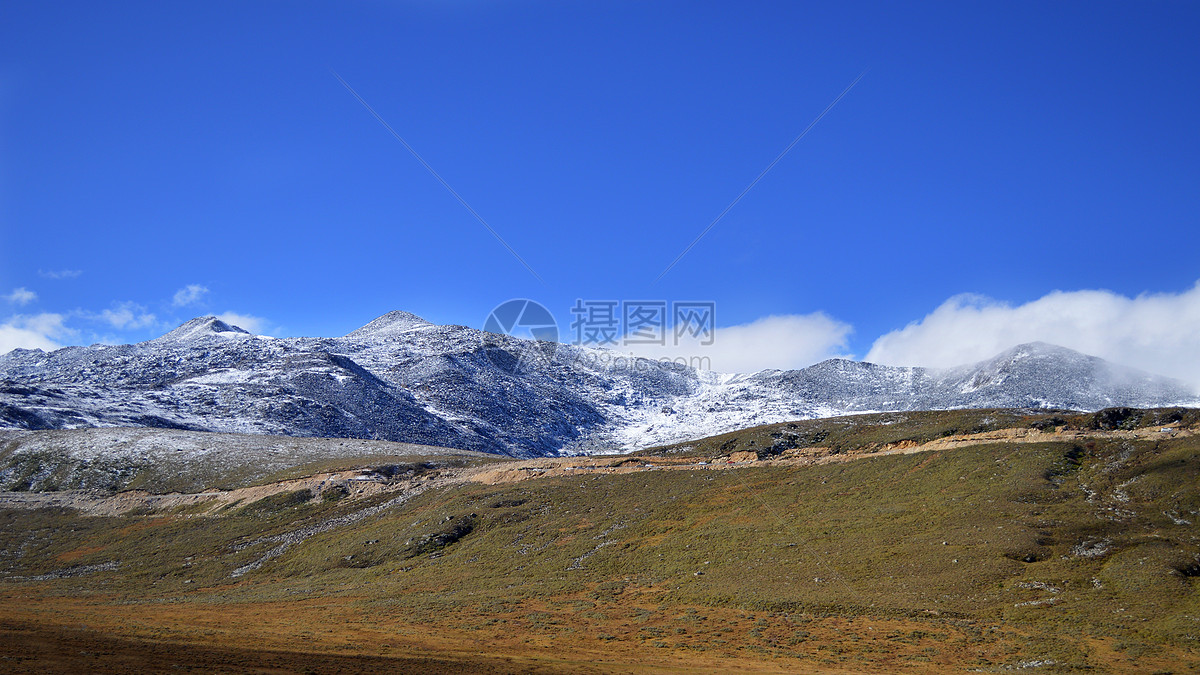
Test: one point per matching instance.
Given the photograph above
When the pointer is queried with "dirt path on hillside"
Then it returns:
(607, 465)
(361, 483)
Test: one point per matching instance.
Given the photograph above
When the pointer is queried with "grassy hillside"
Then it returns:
(869, 432)
(1055, 556)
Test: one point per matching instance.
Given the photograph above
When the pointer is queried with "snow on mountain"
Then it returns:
(390, 324)
(202, 327)
(402, 378)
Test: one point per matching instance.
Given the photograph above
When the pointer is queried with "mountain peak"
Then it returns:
(203, 326)
(1042, 351)
(1039, 348)
(390, 324)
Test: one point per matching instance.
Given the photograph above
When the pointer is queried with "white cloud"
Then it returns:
(128, 316)
(188, 295)
(254, 324)
(40, 331)
(782, 342)
(1159, 333)
(21, 296)
(59, 274)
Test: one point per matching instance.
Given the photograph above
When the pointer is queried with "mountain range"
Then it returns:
(401, 378)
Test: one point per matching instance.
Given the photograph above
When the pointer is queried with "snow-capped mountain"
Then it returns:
(402, 378)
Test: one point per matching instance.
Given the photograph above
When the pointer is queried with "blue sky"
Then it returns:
(1004, 150)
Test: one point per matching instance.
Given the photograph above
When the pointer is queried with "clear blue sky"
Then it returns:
(1004, 149)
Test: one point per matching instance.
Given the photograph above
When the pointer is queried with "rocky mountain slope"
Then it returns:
(400, 378)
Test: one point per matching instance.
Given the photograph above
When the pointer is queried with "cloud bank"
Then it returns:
(59, 274)
(1159, 333)
(40, 331)
(188, 295)
(128, 316)
(21, 296)
(254, 324)
(783, 342)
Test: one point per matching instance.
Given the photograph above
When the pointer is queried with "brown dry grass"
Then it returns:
(63, 634)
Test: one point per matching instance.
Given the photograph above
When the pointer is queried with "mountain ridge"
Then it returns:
(402, 378)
